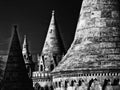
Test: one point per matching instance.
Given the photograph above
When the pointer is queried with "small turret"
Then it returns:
(53, 48)
(27, 57)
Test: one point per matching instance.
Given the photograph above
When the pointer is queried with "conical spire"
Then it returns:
(96, 42)
(25, 45)
(27, 57)
(53, 38)
(53, 46)
(25, 51)
(15, 76)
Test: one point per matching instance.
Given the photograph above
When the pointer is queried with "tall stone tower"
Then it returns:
(93, 60)
(27, 57)
(15, 75)
(52, 53)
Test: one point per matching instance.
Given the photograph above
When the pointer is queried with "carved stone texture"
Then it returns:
(53, 49)
(27, 57)
(52, 52)
(97, 39)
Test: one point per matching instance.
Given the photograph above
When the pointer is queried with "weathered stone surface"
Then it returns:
(53, 49)
(52, 53)
(27, 57)
(3, 59)
(15, 74)
(93, 60)
(97, 37)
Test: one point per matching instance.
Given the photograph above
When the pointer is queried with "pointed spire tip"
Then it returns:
(53, 12)
(15, 27)
(25, 36)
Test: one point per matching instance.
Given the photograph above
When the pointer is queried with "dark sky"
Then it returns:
(33, 18)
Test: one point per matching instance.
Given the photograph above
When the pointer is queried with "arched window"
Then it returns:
(79, 83)
(51, 31)
(54, 57)
(51, 67)
(46, 87)
(96, 85)
(66, 84)
(115, 82)
(42, 57)
(56, 84)
(29, 71)
(72, 83)
(90, 83)
(41, 88)
(106, 81)
(59, 84)
(37, 86)
(41, 67)
(51, 88)
(24, 56)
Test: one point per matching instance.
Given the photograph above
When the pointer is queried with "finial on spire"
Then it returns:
(53, 12)
(25, 36)
(25, 41)
(15, 27)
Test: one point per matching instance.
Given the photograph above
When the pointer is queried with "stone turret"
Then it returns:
(52, 52)
(53, 49)
(94, 55)
(15, 75)
(27, 57)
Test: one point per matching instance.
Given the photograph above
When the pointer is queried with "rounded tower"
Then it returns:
(93, 60)
(52, 52)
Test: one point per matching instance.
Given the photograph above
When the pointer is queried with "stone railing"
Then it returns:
(91, 81)
(40, 74)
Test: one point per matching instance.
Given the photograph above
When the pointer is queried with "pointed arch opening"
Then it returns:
(106, 81)
(51, 88)
(59, 84)
(46, 87)
(42, 88)
(96, 85)
(51, 67)
(72, 83)
(37, 86)
(79, 83)
(115, 82)
(66, 84)
(29, 71)
(41, 67)
(56, 85)
(90, 83)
